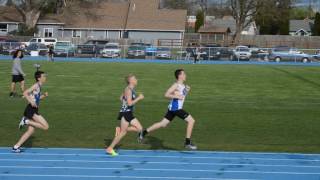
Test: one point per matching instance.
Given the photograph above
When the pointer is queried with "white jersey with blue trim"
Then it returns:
(36, 95)
(177, 104)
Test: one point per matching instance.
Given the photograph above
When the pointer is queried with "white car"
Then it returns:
(163, 53)
(111, 50)
(45, 41)
(241, 53)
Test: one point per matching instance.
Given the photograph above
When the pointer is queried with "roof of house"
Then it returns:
(10, 14)
(147, 15)
(227, 23)
(106, 15)
(131, 15)
(296, 25)
(214, 29)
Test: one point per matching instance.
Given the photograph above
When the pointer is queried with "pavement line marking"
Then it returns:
(172, 151)
(159, 169)
(152, 162)
(171, 156)
(132, 177)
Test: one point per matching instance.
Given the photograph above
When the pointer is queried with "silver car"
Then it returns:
(284, 53)
(241, 53)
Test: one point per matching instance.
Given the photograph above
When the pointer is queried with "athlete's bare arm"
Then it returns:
(128, 94)
(170, 92)
(27, 93)
(46, 94)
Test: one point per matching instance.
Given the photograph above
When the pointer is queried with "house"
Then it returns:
(301, 27)
(9, 20)
(230, 22)
(135, 19)
(214, 34)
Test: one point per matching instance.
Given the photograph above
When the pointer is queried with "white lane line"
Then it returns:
(121, 177)
(161, 156)
(154, 162)
(159, 169)
(172, 151)
(174, 170)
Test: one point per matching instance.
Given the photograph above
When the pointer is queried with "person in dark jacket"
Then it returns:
(51, 53)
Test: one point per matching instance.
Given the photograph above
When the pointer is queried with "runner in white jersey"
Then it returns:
(31, 117)
(177, 94)
(177, 104)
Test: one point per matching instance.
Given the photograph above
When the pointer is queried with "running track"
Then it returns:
(77, 59)
(94, 164)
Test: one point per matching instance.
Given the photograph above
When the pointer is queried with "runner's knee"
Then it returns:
(164, 124)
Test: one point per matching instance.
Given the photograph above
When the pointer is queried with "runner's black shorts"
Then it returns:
(128, 116)
(30, 111)
(17, 78)
(180, 113)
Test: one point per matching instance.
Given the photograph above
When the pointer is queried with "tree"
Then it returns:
(301, 13)
(273, 16)
(30, 10)
(284, 7)
(316, 26)
(243, 12)
(199, 20)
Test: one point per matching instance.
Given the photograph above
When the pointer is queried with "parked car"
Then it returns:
(41, 49)
(163, 53)
(211, 52)
(138, 44)
(241, 53)
(92, 47)
(137, 52)
(226, 53)
(45, 41)
(316, 56)
(8, 46)
(64, 49)
(284, 53)
(111, 50)
(151, 50)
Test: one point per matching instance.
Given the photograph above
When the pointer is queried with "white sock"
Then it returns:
(15, 147)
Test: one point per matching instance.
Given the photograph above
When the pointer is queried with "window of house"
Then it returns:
(3, 27)
(76, 33)
(48, 32)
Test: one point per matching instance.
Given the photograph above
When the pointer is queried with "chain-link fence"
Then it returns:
(149, 52)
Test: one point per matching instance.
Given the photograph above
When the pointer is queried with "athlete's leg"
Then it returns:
(161, 124)
(190, 126)
(13, 87)
(25, 137)
(123, 132)
(132, 128)
(22, 83)
(135, 125)
(188, 144)
(39, 122)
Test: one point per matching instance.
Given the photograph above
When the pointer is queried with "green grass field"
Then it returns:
(237, 107)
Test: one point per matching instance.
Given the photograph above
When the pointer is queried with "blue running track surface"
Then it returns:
(94, 164)
(156, 61)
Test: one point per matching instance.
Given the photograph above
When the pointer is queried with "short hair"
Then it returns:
(15, 54)
(178, 72)
(38, 74)
(128, 77)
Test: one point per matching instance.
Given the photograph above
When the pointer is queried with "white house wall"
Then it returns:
(56, 33)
